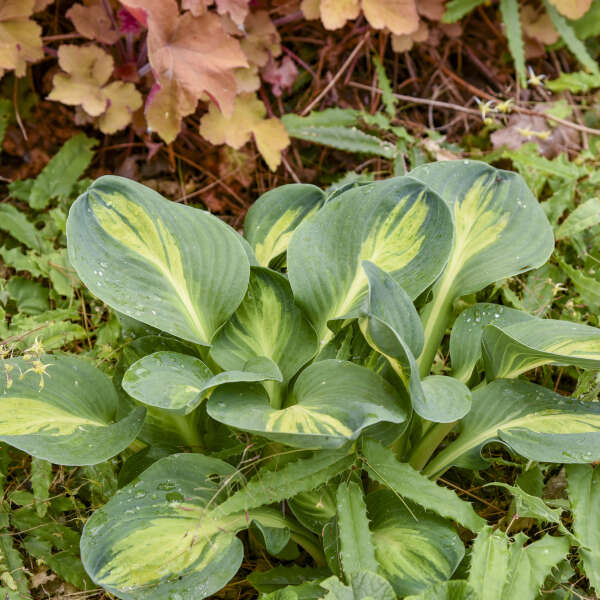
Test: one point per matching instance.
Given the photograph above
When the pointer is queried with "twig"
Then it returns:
(336, 77)
(417, 100)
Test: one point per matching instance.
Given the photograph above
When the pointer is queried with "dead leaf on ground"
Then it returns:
(572, 9)
(538, 25)
(280, 76)
(20, 37)
(92, 22)
(403, 43)
(247, 120)
(262, 39)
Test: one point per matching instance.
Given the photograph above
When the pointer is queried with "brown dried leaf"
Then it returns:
(247, 119)
(196, 7)
(20, 38)
(236, 9)
(538, 26)
(399, 16)
(247, 80)
(87, 69)
(432, 9)
(191, 55)
(572, 9)
(166, 106)
(262, 38)
(41, 5)
(93, 22)
(311, 9)
(335, 13)
(280, 76)
(403, 43)
(123, 101)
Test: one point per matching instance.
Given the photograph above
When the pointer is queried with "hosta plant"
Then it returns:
(277, 388)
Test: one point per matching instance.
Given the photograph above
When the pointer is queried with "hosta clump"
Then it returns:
(301, 344)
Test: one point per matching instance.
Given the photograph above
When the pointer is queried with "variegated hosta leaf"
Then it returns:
(414, 548)
(447, 590)
(316, 507)
(267, 323)
(532, 420)
(392, 327)
(271, 220)
(179, 382)
(400, 225)
(583, 486)
(510, 351)
(500, 229)
(161, 427)
(67, 415)
(450, 397)
(467, 331)
(334, 401)
(174, 267)
(363, 585)
(158, 539)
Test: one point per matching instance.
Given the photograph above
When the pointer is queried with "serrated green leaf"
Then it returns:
(363, 586)
(583, 488)
(382, 466)
(509, 10)
(59, 176)
(41, 478)
(15, 223)
(584, 216)
(447, 590)
(579, 82)
(457, 9)
(570, 39)
(357, 551)
(387, 95)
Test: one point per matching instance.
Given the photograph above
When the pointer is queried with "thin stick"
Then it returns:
(417, 100)
(336, 77)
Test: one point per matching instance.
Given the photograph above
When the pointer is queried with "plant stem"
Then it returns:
(428, 443)
(186, 426)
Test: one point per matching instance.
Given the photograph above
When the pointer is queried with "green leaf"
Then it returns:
(281, 576)
(457, 9)
(66, 416)
(31, 297)
(334, 401)
(274, 216)
(14, 222)
(12, 570)
(171, 266)
(314, 508)
(415, 549)
(535, 422)
(450, 397)
(467, 331)
(267, 323)
(583, 487)
(276, 540)
(587, 287)
(178, 382)
(60, 175)
(501, 570)
(500, 230)
(357, 551)
(512, 350)
(579, 82)
(399, 225)
(363, 586)
(41, 479)
(570, 39)
(509, 9)
(6, 110)
(387, 95)
(584, 216)
(489, 563)
(447, 590)
(336, 128)
(382, 466)
(302, 475)
(169, 513)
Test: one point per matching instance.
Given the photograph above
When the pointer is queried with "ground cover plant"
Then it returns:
(310, 342)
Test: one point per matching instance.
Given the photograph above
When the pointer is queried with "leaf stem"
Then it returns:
(428, 444)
